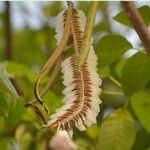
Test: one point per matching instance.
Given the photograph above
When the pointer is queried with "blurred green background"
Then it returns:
(27, 39)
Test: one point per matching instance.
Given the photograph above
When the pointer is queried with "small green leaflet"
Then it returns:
(141, 106)
(135, 73)
(117, 131)
(8, 94)
(110, 48)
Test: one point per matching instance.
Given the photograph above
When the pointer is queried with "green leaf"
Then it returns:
(5, 143)
(16, 69)
(52, 101)
(8, 94)
(117, 131)
(102, 27)
(120, 66)
(6, 85)
(104, 72)
(111, 48)
(16, 114)
(52, 9)
(135, 73)
(144, 11)
(142, 140)
(92, 131)
(30, 54)
(141, 107)
(82, 144)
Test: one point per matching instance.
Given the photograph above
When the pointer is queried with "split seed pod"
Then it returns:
(82, 88)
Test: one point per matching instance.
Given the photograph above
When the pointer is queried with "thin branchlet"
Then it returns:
(51, 61)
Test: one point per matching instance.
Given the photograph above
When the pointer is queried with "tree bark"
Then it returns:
(8, 52)
(138, 24)
(8, 36)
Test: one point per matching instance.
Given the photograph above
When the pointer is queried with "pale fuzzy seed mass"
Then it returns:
(82, 89)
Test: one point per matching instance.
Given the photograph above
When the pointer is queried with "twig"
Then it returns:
(114, 80)
(88, 34)
(58, 52)
(112, 93)
(8, 49)
(17, 86)
(138, 23)
(53, 76)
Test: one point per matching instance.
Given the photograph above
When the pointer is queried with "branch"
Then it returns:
(138, 23)
(8, 52)
(114, 81)
(8, 44)
(88, 34)
(112, 93)
(54, 57)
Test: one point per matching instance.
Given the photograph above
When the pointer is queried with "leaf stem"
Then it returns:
(112, 93)
(114, 80)
(87, 34)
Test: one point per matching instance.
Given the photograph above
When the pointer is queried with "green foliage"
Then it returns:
(142, 140)
(37, 112)
(53, 101)
(17, 112)
(92, 132)
(17, 69)
(135, 73)
(8, 94)
(121, 17)
(110, 48)
(120, 66)
(53, 9)
(104, 72)
(117, 130)
(141, 107)
(24, 50)
(126, 80)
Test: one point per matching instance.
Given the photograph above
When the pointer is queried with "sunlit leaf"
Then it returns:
(8, 94)
(117, 131)
(27, 47)
(111, 48)
(119, 67)
(16, 114)
(92, 131)
(104, 72)
(16, 69)
(141, 107)
(135, 73)
(82, 144)
(52, 101)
